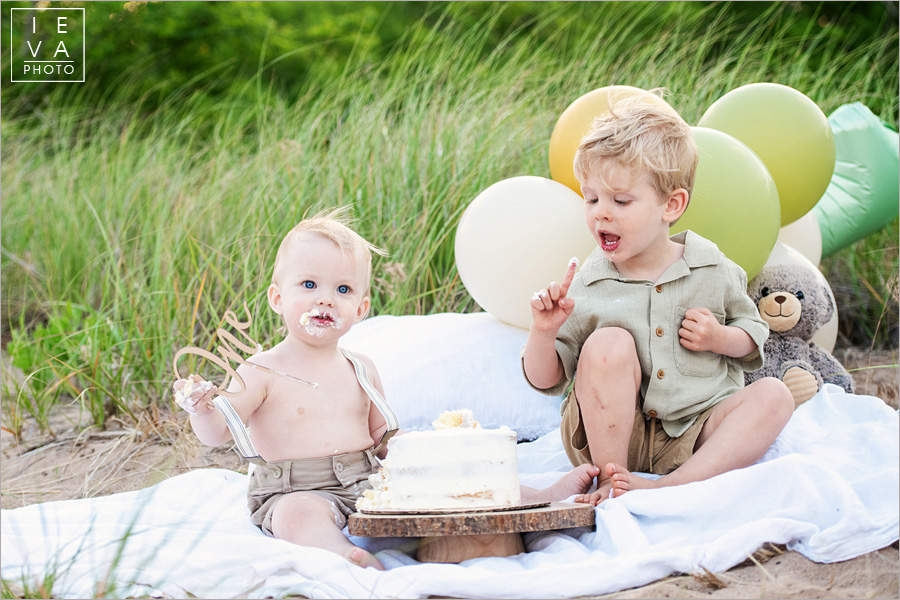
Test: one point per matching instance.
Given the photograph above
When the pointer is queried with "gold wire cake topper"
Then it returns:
(227, 353)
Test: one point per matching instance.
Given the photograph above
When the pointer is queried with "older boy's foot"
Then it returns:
(364, 559)
(624, 480)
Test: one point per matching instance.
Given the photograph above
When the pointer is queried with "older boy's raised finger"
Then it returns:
(570, 275)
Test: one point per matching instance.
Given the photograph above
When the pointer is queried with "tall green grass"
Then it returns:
(127, 232)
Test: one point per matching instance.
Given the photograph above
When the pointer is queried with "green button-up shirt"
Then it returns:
(677, 383)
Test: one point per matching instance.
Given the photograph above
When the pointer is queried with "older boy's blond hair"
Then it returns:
(644, 137)
(334, 225)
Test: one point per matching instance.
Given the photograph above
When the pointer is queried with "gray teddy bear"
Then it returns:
(795, 305)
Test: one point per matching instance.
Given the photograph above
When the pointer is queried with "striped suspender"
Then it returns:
(238, 431)
(242, 437)
(390, 418)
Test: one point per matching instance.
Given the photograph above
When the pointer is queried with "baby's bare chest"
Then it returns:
(332, 400)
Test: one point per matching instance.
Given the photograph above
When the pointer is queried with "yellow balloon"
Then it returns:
(788, 132)
(515, 238)
(575, 122)
(734, 202)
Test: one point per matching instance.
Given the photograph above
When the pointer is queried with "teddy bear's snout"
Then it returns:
(781, 310)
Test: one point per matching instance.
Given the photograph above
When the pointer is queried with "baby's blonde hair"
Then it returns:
(334, 225)
(644, 137)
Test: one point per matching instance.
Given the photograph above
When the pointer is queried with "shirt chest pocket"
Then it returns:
(696, 364)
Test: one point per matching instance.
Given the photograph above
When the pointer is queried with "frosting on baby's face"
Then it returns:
(315, 322)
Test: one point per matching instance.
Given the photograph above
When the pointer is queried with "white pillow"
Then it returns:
(429, 364)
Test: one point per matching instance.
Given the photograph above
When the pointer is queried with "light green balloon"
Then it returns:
(788, 131)
(734, 202)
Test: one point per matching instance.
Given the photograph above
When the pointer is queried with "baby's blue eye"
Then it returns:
(344, 289)
(309, 284)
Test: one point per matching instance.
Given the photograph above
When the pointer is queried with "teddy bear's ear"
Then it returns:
(827, 304)
(755, 286)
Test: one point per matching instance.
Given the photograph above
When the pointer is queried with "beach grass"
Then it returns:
(129, 229)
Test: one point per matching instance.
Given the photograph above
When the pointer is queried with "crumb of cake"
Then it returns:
(460, 419)
(189, 392)
(379, 496)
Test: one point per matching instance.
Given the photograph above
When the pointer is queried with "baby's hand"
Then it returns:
(550, 307)
(700, 330)
(193, 394)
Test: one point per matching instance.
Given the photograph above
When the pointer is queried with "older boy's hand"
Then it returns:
(550, 307)
(700, 330)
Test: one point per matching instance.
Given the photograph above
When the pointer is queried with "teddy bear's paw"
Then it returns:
(801, 383)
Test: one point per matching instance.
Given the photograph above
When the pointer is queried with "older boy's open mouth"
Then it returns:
(609, 242)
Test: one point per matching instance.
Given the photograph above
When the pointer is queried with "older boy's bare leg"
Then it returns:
(576, 481)
(308, 520)
(737, 434)
(607, 384)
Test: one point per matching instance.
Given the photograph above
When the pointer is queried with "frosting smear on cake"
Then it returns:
(462, 418)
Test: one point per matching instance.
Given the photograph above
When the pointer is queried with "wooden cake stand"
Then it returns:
(455, 537)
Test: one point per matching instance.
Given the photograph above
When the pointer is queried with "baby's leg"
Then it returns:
(737, 434)
(308, 520)
(607, 385)
(576, 481)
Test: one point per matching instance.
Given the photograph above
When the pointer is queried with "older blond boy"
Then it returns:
(655, 331)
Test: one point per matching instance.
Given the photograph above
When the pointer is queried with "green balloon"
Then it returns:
(788, 132)
(862, 196)
(734, 202)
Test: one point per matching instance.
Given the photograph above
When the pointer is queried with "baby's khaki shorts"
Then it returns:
(650, 450)
(339, 479)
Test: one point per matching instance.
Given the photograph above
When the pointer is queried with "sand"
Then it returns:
(83, 463)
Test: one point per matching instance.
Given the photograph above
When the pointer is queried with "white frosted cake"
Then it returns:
(459, 465)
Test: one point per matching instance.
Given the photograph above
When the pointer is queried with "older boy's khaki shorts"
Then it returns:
(339, 479)
(650, 450)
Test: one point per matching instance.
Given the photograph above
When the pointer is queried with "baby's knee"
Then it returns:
(608, 348)
(300, 507)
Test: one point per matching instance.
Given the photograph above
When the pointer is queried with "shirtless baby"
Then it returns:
(318, 443)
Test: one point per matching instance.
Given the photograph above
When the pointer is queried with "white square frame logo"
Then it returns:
(13, 61)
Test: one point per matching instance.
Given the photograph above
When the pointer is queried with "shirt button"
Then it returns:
(339, 466)
(660, 374)
(652, 413)
(659, 332)
(659, 288)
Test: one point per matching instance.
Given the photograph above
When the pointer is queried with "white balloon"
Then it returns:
(515, 238)
(782, 254)
(805, 236)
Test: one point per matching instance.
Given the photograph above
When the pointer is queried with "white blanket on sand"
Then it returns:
(828, 489)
